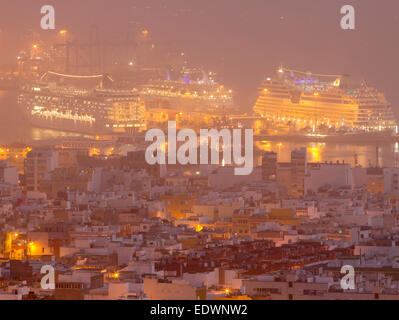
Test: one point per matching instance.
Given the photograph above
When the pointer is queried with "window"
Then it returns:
(267, 291)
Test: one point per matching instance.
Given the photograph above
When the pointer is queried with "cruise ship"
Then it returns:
(314, 103)
(189, 90)
(81, 107)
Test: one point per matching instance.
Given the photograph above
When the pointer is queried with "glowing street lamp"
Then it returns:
(29, 248)
(63, 34)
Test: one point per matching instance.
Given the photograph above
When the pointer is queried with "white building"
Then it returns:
(334, 174)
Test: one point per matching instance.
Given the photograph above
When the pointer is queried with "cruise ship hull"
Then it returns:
(66, 125)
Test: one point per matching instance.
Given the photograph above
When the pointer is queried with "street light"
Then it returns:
(63, 34)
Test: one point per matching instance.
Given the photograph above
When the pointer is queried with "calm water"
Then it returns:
(366, 154)
(14, 128)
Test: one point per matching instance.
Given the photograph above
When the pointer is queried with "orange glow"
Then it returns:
(34, 46)
(264, 145)
(164, 146)
(31, 248)
(198, 228)
(109, 151)
(316, 152)
(94, 152)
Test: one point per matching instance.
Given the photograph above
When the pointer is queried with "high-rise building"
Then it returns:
(298, 171)
(8, 174)
(269, 165)
(38, 163)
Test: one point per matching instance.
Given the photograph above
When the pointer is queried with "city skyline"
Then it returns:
(198, 158)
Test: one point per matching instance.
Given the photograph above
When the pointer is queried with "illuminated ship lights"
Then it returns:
(68, 107)
(304, 100)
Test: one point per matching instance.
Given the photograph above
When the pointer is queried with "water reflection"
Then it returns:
(38, 134)
(364, 155)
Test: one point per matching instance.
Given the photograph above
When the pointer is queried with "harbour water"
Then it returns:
(362, 154)
(14, 128)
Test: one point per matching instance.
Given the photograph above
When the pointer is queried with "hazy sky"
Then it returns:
(242, 40)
